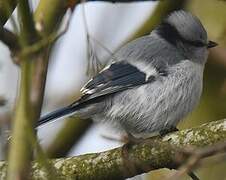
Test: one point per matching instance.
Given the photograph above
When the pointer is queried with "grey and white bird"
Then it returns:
(153, 83)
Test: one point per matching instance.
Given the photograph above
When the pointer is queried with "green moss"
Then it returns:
(153, 153)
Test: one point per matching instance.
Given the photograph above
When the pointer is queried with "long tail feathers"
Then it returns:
(56, 114)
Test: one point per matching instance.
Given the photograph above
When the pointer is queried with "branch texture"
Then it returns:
(153, 153)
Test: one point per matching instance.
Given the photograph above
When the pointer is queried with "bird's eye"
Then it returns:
(198, 44)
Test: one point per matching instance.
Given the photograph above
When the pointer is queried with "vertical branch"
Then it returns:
(39, 71)
(47, 19)
(28, 33)
(20, 153)
(20, 150)
(33, 75)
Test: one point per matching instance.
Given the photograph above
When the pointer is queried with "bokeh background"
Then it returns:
(74, 59)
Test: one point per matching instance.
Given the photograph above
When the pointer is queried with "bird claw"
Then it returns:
(168, 130)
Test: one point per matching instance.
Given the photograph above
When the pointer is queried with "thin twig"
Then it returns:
(3, 101)
(43, 43)
(94, 63)
(195, 158)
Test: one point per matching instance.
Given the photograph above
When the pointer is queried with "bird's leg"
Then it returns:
(130, 139)
(163, 132)
(128, 162)
(113, 138)
(126, 138)
(193, 176)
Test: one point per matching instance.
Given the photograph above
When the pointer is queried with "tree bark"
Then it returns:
(153, 153)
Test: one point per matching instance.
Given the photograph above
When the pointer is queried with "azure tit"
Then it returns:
(153, 82)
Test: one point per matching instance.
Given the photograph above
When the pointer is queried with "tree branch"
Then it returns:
(196, 157)
(33, 76)
(20, 152)
(154, 153)
(9, 38)
(5, 12)
(28, 32)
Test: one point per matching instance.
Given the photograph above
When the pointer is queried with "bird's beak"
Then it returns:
(211, 44)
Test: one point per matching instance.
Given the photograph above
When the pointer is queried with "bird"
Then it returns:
(152, 83)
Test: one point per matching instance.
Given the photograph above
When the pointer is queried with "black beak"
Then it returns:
(211, 44)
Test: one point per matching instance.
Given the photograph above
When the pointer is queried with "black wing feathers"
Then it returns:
(118, 77)
(115, 71)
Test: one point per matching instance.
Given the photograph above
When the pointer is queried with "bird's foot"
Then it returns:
(128, 161)
(130, 139)
(126, 138)
(113, 138)
(168, 130)
(193, 176)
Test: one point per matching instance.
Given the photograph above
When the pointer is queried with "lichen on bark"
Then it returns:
(152, 153)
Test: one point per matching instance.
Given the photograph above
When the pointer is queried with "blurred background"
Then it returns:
(94, 31)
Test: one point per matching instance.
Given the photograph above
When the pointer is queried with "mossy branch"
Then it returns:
(154, 153)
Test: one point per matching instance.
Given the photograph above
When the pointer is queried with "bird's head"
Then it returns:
(186, 32)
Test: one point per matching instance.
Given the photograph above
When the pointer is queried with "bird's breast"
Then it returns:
(172, 97)
(161, 104)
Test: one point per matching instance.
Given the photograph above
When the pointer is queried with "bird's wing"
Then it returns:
(117, 77)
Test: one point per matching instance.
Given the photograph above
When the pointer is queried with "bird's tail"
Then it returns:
(56, 114)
